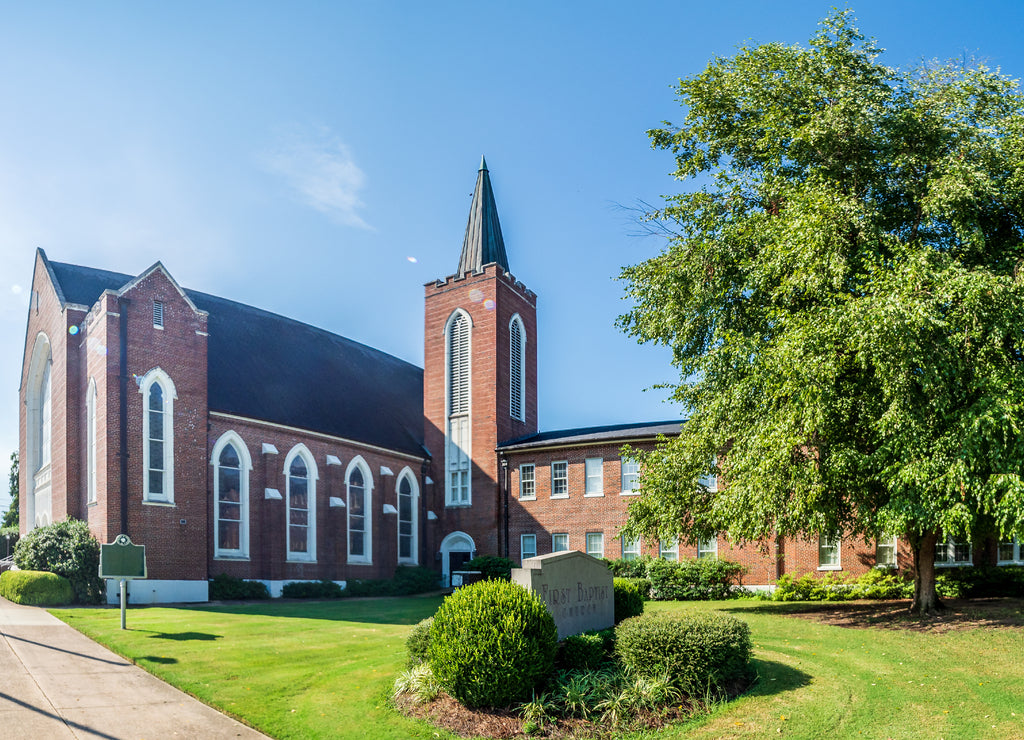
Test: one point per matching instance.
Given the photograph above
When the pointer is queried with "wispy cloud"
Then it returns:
(319, 167)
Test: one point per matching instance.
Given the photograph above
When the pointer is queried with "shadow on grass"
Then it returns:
(157, 659)
(775, 678)
(396, 610)
(184, 636)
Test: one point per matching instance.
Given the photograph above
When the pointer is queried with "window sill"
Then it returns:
(352, 561)
(228, 556)
(561, 496)
(593, 495)
(955, 565)
(293, 559)
(166, 504)
(830, 567)
(629, 493)
(885, 566)
(449, 505)
(527, 498)
(1010, 562)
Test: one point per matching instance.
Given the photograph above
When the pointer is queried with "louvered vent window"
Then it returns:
(458, 366)
(158, 314)
(458, 439)
(516, 379)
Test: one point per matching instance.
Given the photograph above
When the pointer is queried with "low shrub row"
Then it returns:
(35, 588)
(229, 588)
(684, 580)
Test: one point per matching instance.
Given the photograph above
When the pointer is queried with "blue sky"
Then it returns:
(296, 156)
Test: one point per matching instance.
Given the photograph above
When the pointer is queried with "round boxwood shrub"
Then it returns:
(629, 601)
(492, 643)
(698, 652)
(35, 587)
(68, 549)
(418, 642)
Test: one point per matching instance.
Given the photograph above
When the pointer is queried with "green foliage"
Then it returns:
(11, 515)
(408, 580)
(843, 294)
(10, 535)
(68, 549)
(636, 568)
(881, 583)
(492, 643)
(706, 652)
(228, 588)
(323, 589)
(35, 587)
(981, 582)
(629, 600)
(418, 682)
(417, 644)
(491, 566)
(587, 650)
(693, 580)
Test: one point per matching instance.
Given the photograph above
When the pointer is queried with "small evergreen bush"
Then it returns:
(68, 549)
(408, 580)
(35, 587)
(492, 643)
(229, 588)
(491, 566)
(629, 601)
(417, 644)
(323, 589)
(692, 580)
(584, 651)
(698, 653)
(635, 568)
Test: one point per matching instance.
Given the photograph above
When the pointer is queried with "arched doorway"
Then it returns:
(456, 550)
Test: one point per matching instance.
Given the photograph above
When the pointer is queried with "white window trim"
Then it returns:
(710, 552)
(367, 557)
(39, 484)
(533, 496)
(1018, 552)
(839, 553)
(520, 413)
(586, 543)
(244, 468)
(414, 487)
(312, 475)
(895, 554)
(449, 498)
(90, 441)
(635, 545)
(673, 548)
(950, 546)
(159, 377)
(566, 464)
(522, 541)
(600, 478)
(560, 534)
(158, 314)
(628, 491)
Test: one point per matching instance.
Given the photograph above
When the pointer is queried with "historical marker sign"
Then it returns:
(576, 588)
(122, 560)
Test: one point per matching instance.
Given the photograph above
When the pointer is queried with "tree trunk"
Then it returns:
(926, 598)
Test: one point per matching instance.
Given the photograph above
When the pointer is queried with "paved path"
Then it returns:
(55, 683)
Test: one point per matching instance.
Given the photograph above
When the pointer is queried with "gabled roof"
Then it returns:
(483, 243)
(592, 435)
(272, 368)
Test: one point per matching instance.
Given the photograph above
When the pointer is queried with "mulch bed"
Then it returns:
(959, 614)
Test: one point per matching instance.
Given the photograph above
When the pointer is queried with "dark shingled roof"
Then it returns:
(483, 243)
(592, 435)
(268, 367)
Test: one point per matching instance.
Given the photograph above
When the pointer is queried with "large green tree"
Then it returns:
(843, 293)
(11, 515)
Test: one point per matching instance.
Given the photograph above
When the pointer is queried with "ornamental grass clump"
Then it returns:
(492, 643)
(698, 653)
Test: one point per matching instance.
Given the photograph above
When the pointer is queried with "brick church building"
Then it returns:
(232, 440)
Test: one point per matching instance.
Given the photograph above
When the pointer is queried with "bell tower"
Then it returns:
(479, 384)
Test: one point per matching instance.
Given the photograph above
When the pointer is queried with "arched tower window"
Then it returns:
(301, 496)
(360, 513)
(408, 494)
(158, 395)
(517, 368)
(90, 442)
(39, 423)
(458, 338)
(231, 466)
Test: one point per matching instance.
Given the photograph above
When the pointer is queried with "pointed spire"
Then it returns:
(483, 243)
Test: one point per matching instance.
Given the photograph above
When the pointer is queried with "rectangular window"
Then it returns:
(527, 482)
(630, 549)
(885, 552)
(458, 461)
(560, 479)
(594, 467)
(630, 474)
(710, 482)
(1009, 551)
(949, 552)
(559, 542)
(528, 546)
(708, 548)
(595, 544)
(158, 314)
(668, 549)
(828, 552)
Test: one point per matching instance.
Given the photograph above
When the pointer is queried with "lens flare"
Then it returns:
(476, 295)
(72, 330)
(489, 304)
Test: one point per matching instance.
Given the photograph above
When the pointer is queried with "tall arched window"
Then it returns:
(517, 368)
(360, 513)
(90, 442)
(45, 419)
(457, 443)
(38, 400)
(408, 493)
(301, 497)
(158, 395)
(231, 466)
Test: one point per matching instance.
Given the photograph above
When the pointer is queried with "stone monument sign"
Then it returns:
(576, 588)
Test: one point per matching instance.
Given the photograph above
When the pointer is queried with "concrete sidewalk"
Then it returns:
(57, 683)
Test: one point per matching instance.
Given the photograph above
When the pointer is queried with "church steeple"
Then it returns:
(483, 243)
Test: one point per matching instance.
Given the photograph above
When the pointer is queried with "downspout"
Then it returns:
(505, 503)
(122, 306)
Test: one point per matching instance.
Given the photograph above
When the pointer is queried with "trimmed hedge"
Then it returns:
(492, 643)
(698, 653)
(417, 644)
(409, 579)
(68, 549)
(229, 588)
(587, 650)
(36, 587)
(324, 589)
(491, 566)
(694, 580)
(629, 601)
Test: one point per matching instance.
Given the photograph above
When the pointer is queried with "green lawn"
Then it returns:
(308, 670)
